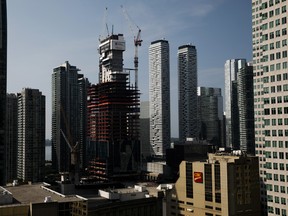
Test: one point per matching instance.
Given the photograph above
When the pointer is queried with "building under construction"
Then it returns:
(113, 116)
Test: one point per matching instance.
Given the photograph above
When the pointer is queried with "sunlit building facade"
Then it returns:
(269, 33)
(159, 94)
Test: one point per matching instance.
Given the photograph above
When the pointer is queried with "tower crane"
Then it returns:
(74, 159)
(137, 42)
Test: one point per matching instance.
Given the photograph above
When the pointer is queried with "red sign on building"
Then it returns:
(198, 177)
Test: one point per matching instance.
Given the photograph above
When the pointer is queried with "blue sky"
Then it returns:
(44, 34)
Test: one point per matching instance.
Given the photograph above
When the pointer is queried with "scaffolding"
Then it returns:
(113, 127)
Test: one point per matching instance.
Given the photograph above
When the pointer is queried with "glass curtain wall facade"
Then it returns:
(210, 103)
(232, 67)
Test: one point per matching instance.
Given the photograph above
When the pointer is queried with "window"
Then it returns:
(276, 188)
(284, 31)
(279, 99)
(271, 13)
(276, 199)
(271, 24)
(279, 88)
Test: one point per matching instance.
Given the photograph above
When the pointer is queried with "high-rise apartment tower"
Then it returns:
(159, 94)
(31, 135)
(67, 99)
(187, 102)
(270, 65)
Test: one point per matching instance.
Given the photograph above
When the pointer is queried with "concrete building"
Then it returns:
(113, 116)
(67, 99)
(145, 130)
(11, 136)
(43, 199)
(270, 65)
(226, 184)
(187, 87)
(210, 108)
(31, 135)
(159, 97)
(3, 89)
(39, 199)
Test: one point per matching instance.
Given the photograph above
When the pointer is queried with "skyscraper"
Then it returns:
(246, 109)
(11, 136)
(3, 88)
(269, 33)
(187, 102)
(113, 116)
(210, 102)
(83, 84)
(232, 67)
(159, 94)
(31, 135)
(66, 115)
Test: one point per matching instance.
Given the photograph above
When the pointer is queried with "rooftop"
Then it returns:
(36, 193)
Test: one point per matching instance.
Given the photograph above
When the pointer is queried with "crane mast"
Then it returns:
(137, 42)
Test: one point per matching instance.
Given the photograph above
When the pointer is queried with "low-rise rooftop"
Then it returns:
(36, 193)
